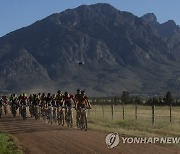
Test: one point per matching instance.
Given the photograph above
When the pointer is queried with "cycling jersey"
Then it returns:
(78, 97)
(68, 99)
(24, 100)
(48, 100)
(1, 104)
(59, 99)
(82, 101)
(35, 101)
(53, 102)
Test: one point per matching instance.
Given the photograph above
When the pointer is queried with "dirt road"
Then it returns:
(38, 137)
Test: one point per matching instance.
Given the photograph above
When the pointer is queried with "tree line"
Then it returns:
(126, 98)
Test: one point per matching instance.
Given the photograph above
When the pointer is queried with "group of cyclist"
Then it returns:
(57, 101)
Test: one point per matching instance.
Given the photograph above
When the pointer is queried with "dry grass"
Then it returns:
(140, 127)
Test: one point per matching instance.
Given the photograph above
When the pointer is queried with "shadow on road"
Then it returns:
(18, 125)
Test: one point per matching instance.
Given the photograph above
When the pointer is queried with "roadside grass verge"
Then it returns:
(8, 145)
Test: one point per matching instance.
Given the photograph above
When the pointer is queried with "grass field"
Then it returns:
(130, 126)
(7, 145)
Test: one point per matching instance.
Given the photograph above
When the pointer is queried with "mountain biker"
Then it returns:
(23, 104)
(68, 100)
(77, 99)
(78, 95)
(35, 106)
(43, 101)
(48, 100)
(14, 101)
(53, 98)
(35, 100)
(24, 99)
(49, 107)
(5, 100)
(83, 101)
(30, 99)
(60, 105)
(1, 104)
(59, 98)
(5, 103)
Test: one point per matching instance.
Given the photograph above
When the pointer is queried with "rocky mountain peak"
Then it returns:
(149, 18)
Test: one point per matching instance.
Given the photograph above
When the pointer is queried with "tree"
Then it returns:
(168, 99)
(125, 97)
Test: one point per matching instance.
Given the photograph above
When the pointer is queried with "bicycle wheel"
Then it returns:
(62, 119)
(85, 122)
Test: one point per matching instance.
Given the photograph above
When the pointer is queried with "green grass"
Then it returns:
(130, 126)
(8, 146)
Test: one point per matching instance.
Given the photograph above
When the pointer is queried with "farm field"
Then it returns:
(142, 126)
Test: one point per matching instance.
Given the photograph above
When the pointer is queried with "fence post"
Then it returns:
(136, 110)
(170, 107)
(103, 110)
(153, 114)
(112, 109)
(123, 109)
(95, 109)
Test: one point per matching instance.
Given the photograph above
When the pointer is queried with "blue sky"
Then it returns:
(15, 14)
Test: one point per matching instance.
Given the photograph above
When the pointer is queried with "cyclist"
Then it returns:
(35, 106)
(83, 101)
(14, 103)
(60, 104)
(68, 100)
(5, 103)
(78, 95)
(53, 102)
(59, 98)
(30, 99)
(77, 100)
(23, 103)
(1, 104)
(42, 99)
(49, 106)
(24, 99)
(48, 100)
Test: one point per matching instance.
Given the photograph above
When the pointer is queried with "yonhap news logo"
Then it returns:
(113, 140)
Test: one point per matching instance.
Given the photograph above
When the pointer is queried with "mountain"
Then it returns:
(94, 47)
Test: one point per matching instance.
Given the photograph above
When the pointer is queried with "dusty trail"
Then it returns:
(38, 137)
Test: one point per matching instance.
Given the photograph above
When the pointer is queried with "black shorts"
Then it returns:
(81, 106)
(68, 103)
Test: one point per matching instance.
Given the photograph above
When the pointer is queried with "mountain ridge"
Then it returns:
(117, 51)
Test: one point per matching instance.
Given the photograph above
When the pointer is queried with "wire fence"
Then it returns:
(151, 114)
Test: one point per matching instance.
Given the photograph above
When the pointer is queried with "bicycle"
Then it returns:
(14, 108)
(43, 112)
(37, 112)
(0, 112)
(54, 114)
(50, 114)
(60, 116)
(23, 112)
(82, 119)
(5, 108)
(69, 118)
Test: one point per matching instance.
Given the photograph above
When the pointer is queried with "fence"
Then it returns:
(151, 114)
